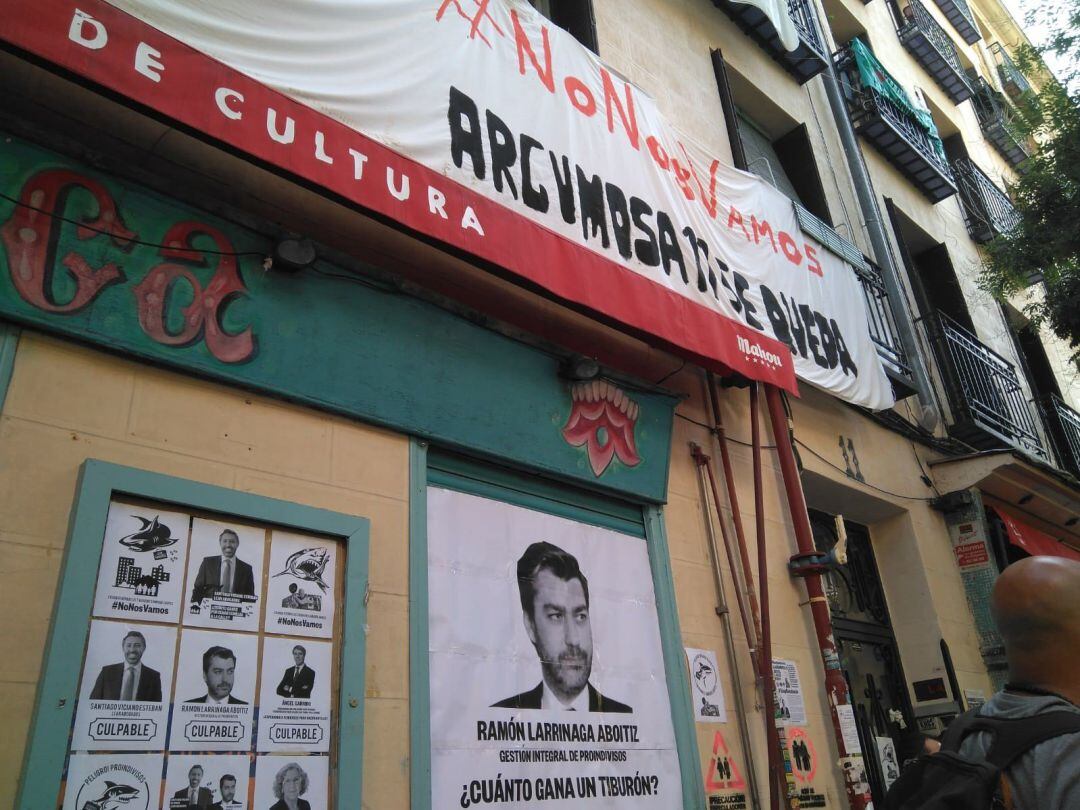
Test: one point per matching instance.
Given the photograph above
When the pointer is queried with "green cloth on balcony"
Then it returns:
(873, 75)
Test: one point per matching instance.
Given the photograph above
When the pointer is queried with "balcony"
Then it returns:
(989, 407)
(1064, 425)
(1014, 82)
(932, 48)
(883, 331)
(959, 14)
(987, 209)
(994, 114)
(878, 115)
(806, 61)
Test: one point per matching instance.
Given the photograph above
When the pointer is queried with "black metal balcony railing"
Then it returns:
(806, 61)
(883, 329)
(988, 403)
(987, 209)
(959, 14)
(994, 114)
(895, 132)
(932, 48)
(1014, 82)
(1065, 428)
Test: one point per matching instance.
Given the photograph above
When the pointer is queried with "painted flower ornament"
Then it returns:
(602, 418)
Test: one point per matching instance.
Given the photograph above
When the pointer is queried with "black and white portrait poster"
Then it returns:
(300, 589)
(215, 690)
(547, 678)
(125, 692)
(206, 780)
(790, 707)
(224, 578)
(706, 691)
(107, 781)
(143, 556)
(282, 782)
(294, 699)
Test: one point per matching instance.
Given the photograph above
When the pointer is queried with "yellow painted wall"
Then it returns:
(67, 404)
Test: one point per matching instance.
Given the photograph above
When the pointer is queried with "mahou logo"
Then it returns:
(757, 354)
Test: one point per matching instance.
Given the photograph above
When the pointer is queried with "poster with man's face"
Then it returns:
(224, 577)
(545, 660)
(300, 590)
(113, 781)
(125, 690)
(281, 781)
(294, 699)
(143, 555)
(215, 690)
(207, 780)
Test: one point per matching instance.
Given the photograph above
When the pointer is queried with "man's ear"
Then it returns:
(530, 627)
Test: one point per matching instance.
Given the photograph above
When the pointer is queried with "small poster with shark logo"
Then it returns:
(294, 701)
(126, 688)
(143, 556)
(113, 782)
(300, 590)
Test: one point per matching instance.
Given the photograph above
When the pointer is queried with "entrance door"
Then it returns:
(868, 654)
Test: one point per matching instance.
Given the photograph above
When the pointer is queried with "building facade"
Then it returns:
(329, 322)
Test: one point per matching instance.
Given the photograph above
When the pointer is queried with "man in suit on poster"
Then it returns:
(194, 796)
(130, 680)
(225, 572)
(219, 672)
(555, 607)
(298, 680)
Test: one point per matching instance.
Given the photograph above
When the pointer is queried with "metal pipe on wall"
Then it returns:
(724, 612)
(775, 764)
(858, 791)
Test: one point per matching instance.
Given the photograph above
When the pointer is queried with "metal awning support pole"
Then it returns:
(724, 612)
(733, 501)
(835, 685)
(705, 463)
(776, 773)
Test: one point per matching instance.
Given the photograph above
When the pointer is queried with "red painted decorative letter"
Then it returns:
(202, 318)
(32, 237)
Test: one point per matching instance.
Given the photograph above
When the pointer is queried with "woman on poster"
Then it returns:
(290, 783)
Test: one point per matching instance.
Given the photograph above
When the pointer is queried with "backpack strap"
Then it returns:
(1012, 737)
(1017, 736)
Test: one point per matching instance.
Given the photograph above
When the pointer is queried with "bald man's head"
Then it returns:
(1036, 604)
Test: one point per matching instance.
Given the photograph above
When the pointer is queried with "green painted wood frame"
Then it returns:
(491, 482)
(58, 688)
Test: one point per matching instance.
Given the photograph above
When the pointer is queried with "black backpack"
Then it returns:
(948, 781)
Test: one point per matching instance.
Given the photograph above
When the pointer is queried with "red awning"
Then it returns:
(1034, 541)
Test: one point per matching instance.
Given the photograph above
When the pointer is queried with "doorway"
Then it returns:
(868, 652)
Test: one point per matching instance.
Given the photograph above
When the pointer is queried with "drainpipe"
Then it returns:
(879, 240)
(776, 773)
(808, 564)
(724, 612)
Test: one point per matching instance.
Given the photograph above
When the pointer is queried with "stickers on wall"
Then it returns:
(107, 781)
(705, 690)
(300, 591)
(790, 708)
(294, 700)
(225, 567)
(291, 781)
(206, 780)
(215, 687)
(143, 555)
(803, 756)
(125, 692)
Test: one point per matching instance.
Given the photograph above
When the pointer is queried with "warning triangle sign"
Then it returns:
(723, 770)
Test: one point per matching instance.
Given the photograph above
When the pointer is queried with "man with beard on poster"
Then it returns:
(555, 607)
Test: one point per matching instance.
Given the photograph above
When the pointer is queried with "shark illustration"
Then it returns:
(307, 564)
(153, 535)
(116, 796)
